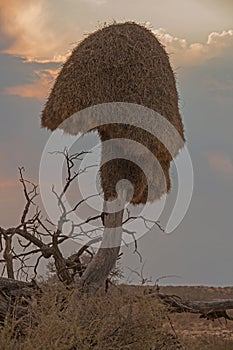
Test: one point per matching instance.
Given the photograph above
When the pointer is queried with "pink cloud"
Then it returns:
(39, 36)
(221, 163)
(38, 89)
(35, 38)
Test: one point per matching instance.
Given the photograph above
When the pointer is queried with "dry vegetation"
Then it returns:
(60, 321)
(125, 318)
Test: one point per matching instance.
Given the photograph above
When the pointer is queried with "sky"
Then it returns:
(35, 39)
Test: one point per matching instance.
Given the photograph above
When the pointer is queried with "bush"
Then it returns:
(61, 321)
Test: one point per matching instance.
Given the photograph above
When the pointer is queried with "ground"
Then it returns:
(193, 329)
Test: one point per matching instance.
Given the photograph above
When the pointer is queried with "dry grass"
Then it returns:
(60, 321)
(123, 319)
(209, 343)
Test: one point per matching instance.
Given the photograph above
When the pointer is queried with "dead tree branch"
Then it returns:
(210, 310)
(37, 236)
(40, 238)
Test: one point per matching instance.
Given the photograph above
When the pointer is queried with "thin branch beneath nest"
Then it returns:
(145, 221)
(132, 233)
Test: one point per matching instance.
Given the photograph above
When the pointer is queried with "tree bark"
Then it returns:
(8, 256)
(105, 258)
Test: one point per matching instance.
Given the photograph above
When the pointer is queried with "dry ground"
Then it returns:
(198, 333)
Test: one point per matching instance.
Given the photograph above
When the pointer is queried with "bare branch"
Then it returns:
(132, 233)
(146, 221)
(80, 202)
(29, 194)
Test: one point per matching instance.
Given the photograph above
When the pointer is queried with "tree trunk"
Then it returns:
(105, 258)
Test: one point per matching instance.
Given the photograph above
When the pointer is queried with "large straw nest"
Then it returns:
(120, 63)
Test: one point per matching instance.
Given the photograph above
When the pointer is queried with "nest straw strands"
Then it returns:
(120, 63)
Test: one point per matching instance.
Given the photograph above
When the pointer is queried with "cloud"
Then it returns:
(186, 54)
(38, 32)
(42, 31)
(183, 54)
(221, 163)
(31, 32)
(37, 89)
